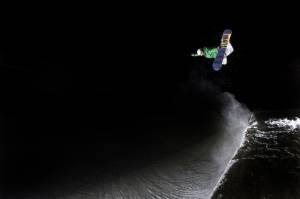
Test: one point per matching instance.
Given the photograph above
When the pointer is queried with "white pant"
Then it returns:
(228, 51)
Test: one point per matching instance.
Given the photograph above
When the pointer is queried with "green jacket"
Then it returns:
(210, 53)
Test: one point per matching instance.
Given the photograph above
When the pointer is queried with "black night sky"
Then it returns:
(91, 78)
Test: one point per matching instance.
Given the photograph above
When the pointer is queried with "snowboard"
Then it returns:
(217, 65)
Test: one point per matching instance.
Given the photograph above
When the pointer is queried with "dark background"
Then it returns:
(73, 79)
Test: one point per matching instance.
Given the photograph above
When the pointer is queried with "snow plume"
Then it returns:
(234, 117)
(236, 122)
